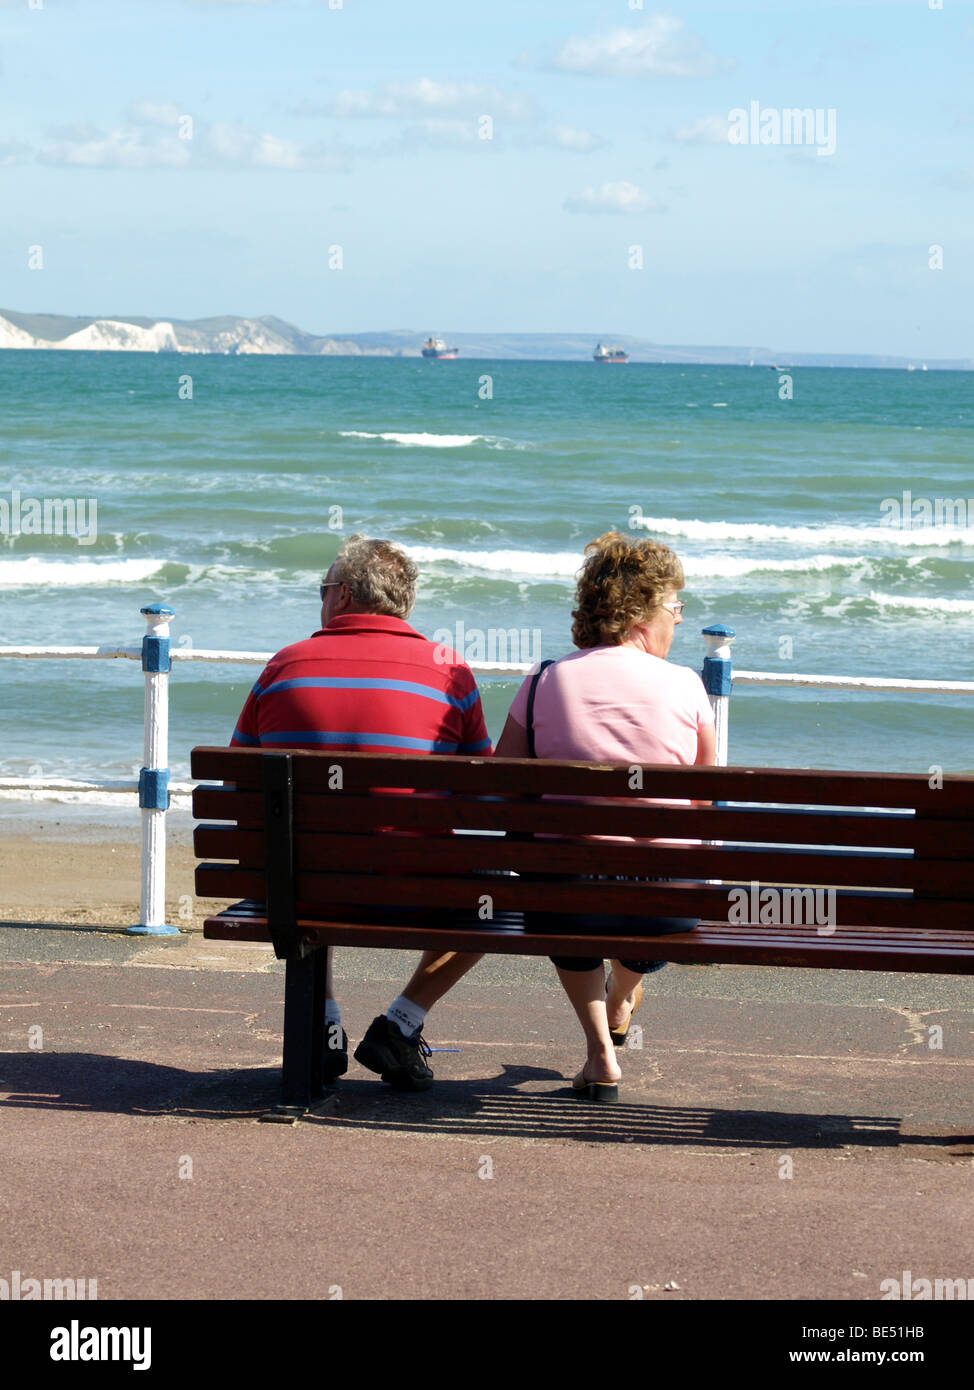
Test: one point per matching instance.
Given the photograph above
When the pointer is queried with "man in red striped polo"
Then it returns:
(367, 681)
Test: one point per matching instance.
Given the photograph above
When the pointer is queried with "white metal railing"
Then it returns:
(153, 785)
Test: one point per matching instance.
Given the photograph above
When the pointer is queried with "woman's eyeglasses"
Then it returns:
(675, 608)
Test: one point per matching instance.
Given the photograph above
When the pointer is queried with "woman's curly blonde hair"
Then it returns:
(622, 582)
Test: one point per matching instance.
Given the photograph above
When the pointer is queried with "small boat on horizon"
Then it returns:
(609, 354)
(438, 350)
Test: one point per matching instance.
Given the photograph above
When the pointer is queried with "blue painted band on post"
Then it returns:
(158, 608)
(155, 654)
(719, 630)
(717, 675)
(154, 788)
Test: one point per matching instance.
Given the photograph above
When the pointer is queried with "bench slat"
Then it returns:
(886, 950)
(467, 854)
(324, 893)
(253, 912)
(944, 839)
(503, 776)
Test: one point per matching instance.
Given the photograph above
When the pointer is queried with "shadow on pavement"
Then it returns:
(493, 1106)
(89, 928)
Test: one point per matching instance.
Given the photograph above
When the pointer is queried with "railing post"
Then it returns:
(154, 776)
(717, 675)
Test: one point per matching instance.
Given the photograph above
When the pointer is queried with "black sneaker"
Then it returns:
(399, 1060)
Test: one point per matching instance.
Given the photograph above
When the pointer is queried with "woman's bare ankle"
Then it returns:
(601, 1065)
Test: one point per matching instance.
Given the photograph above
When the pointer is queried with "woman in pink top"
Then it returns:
(616, 699)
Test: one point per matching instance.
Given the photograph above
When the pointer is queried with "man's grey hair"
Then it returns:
(380, 576)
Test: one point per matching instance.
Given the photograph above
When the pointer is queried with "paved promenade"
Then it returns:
(132, 1151)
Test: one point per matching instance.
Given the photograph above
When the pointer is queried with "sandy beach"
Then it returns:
(59, 865)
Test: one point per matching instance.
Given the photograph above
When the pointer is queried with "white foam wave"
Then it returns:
(736, 567)
(838, 535)
(566, 564)
(557, 565)
(433, 441)
(36, 573)
(923, 604)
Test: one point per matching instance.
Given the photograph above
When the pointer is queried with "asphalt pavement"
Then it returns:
(795, 1134)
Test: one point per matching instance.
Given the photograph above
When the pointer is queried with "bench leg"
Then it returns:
(304, 1027)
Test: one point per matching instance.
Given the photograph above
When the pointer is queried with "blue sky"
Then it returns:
(360, 126)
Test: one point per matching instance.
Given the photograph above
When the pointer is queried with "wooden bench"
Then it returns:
(359, 849)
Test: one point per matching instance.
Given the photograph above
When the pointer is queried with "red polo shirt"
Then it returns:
(367, 682)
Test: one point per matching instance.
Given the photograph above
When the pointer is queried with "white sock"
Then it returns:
(407, 1016)
(333, 1024)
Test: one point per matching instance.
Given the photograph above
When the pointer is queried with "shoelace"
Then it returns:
(424, 1048)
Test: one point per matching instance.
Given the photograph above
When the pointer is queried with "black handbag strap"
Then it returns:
(531, 694)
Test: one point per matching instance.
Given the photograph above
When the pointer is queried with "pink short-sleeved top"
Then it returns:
(616, 704)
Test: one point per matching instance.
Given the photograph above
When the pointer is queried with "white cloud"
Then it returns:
(425, 97)
(662, 47)
(88, 148)
(706, 130)
(221, 145)
(570, 137)
(235, 144)
(232, 145)
(620, 197)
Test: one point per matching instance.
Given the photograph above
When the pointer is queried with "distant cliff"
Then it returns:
(225, 335)
(269, 335)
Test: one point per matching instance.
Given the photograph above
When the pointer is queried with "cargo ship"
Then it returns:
(609, 354)
(437, 348)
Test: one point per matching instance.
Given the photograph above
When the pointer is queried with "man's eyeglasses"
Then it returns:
(331, 584)
(675, 608)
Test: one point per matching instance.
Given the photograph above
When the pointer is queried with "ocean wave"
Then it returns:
(562, 565)
(538, 566)
(737, 567)
(559, 565)
(566, 564)
(921, 603)
(532, 565)
(839, 535)
(34, 573)
(435, 441)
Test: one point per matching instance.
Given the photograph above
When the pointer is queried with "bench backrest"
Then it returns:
(318, 834)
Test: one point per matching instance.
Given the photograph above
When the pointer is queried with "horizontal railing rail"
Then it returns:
(894, 684)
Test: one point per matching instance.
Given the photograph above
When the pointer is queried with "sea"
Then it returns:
(826, 515)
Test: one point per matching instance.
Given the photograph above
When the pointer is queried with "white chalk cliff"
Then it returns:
(109, 335)
(227, 335)
(13, 337)
(104, 335)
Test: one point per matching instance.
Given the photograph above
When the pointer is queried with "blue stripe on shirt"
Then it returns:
(428, 692)
(360, 740)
